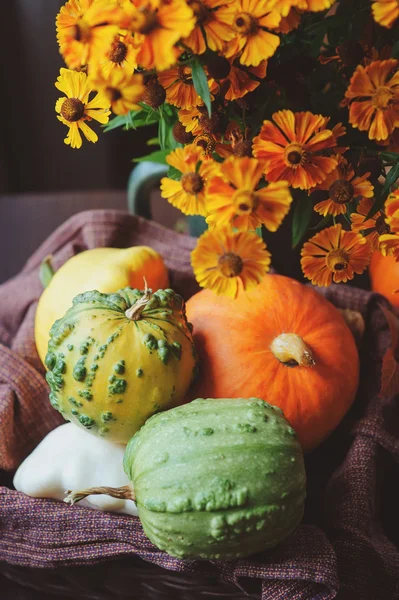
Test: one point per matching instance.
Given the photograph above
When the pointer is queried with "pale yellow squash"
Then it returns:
(103, 269)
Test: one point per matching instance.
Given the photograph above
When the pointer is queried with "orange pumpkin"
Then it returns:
(384, 275)
(282, 342)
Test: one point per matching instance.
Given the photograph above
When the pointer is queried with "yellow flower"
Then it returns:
(157, 26)
(241, 80)
(392, 211)
(385, 12)
(209, 22)
(179, 86)
(188, 193)
(318, 5)
(373, 94)
(334, 255)
(76, 109)
(388, 245)
(375, 225)
(122, 89)
(342, 187)
(233, 198)
(227, 262)
(290, 22)
(251, 20)
(85, 27)
(121, 54)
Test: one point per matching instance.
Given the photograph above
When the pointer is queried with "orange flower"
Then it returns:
(250, 21)
(227, 262)
(389, 245)
(374, 96)
(318, 5)
(210, 21)
(292, 147)
(179, 86)
(233, 198)
(334, 255)
(385, 12)
(392, 211)
(240, 80)
(375, 225)
(123, 90)
(290, 22)
(157, 26)
(84, 27)
(121, 54)
(342, 187)
(188, 193)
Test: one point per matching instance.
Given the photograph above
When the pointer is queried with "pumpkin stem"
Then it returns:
(134, 312)
(124, 493)
(291, 350)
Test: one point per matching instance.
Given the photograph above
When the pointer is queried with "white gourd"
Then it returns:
(70, 458)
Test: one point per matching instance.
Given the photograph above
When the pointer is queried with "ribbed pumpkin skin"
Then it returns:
(233, 340)
(217, 479)
(384, 275)
(108, 373)
(104, 269)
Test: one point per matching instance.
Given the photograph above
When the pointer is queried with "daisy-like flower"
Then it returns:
(374, 226)
(385, 12)
(122, 89)
(392, 211)
(157, 26)
(317, 5)
(76, 109)
(85, 27)
(121, 54)
(210, 22)
(233, 197)
(373, 94)
(342, 186)
(179, 86)
(250, 21)
(227, 262)
(334, 255)
(293, 145)
(188, 193)
(388, 245)
(241, 81)
(290, 22)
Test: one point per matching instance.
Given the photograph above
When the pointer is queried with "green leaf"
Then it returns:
(301, 218)
(153, 141)
(159, 156)
(174, 173)
(46, 271)
(200, 82)
(322, 223)
(380, 195)
(119, 121)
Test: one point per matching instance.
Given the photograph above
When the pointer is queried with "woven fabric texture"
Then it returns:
(346, 546)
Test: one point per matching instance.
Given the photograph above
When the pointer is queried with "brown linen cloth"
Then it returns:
(346, 545)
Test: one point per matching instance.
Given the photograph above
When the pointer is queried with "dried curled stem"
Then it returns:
(291, 350)
(134, 312)
(123, 493)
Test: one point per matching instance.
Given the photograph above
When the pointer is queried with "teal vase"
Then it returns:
(143, 179)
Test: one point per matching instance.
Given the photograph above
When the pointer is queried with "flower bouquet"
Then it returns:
(262, 108)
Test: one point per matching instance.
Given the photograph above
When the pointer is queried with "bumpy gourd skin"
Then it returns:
(109, 373)
(217, 479)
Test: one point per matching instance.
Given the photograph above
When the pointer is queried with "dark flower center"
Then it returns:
(192, 183)
(206, 142)
(337, 260)
(294, 157)
(230, 264)
(201, 11)
(381, 226)
(245, 24)
(144, 21)
(341, 191)
(185, 75)
(113, 94)
(72, 109)
(118, 52)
